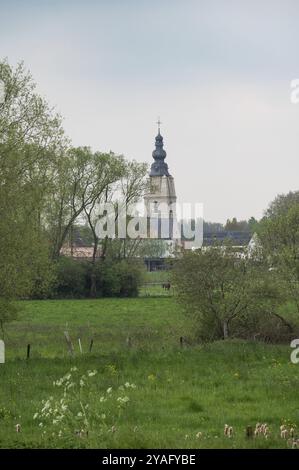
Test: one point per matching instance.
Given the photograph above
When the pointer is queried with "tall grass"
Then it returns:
(183, 396)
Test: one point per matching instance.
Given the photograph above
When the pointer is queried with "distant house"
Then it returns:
(237, 238)
(77, 252)
(254, 247)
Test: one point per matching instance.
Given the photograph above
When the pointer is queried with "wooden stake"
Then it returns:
(69, 342)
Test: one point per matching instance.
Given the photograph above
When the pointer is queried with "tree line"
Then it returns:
(47, 187)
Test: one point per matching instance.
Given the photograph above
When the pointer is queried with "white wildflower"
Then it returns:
(58, 383)
(123, 400)
(91, 373)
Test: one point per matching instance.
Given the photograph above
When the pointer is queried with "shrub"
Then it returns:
(227, 295)
(131, 274)
(114, 278)
(71, 278)
(117, 278)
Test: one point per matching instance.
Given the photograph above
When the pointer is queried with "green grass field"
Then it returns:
(181, 397)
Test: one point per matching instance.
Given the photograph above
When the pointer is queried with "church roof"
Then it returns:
(236, 237)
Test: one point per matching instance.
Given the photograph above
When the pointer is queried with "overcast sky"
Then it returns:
(217, 73)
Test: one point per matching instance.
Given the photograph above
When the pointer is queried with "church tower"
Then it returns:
(161, 198)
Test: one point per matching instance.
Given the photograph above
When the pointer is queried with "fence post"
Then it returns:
(2, 352)
(69, 342)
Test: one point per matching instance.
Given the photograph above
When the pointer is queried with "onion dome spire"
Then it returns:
(159, 167)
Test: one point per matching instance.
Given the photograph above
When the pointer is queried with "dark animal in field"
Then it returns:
(166, 285)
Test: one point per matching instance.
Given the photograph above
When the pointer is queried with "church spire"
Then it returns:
(159, 167)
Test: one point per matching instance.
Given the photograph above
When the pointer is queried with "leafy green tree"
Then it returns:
(281, 204)
(132, 187)
(279, 236)
(252, 224)
(31, 139)
(226, 295)
(125, 182)
(211, 226)
(79, 186)
(234, 224)
(212, 286)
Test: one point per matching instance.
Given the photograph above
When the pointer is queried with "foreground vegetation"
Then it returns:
(177, 396)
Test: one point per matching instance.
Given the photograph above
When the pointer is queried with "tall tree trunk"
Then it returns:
(93, 282)
(93, 278)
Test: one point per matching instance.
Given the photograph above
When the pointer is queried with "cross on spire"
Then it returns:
(159, 123)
